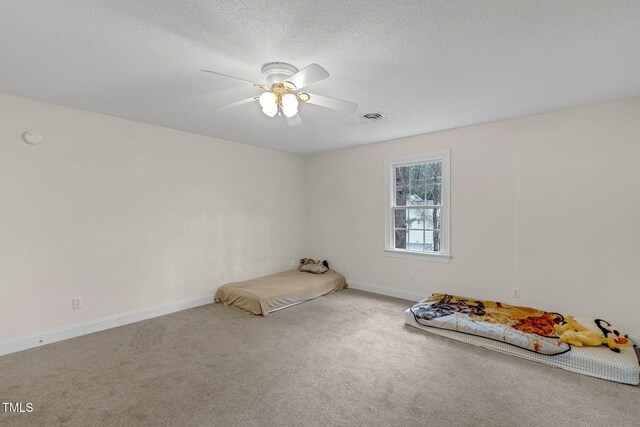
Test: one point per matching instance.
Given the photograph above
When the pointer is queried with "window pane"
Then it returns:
(433, 173)
(432, 219)
(416, 195)
(402, 175)
(417, 173)
(401, 218)
(416, 218)
(416, 240)
(429, 245)
(401, 239)
(432, 239)
(402, 193)
(433, 194)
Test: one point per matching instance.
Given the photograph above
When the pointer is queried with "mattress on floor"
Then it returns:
(598, 362)
(267, 294)
(525, 327)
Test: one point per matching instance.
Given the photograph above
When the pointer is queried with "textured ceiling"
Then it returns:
(427, 65)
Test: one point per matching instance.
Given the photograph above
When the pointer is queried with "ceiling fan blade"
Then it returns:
(308, 75)
(294, 121)
(233, 78)
(235, 104)
(333, 103)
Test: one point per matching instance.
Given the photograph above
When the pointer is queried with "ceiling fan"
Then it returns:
(282, 92)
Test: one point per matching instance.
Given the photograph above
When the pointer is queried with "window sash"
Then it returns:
(417, 208)
(442, 180)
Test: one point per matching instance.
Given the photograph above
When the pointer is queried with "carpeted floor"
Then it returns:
(344, 359)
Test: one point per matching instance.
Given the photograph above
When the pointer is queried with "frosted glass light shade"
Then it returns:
(268, 99)
(268, 102)
(289, 105)
(270, 111)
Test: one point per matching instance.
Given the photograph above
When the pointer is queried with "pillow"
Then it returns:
(314, 268)
(309, 265)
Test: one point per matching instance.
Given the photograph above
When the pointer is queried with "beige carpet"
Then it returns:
(343, 359)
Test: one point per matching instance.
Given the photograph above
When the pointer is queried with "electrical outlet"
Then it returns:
(293, 263)
(515, 292)
(240, 274)
(345, 268)
(222, 275)
(412, 277)
(76, 302)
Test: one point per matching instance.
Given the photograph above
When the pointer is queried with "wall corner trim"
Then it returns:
(91, 326)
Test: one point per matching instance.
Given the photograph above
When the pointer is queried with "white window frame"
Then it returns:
(445, 211)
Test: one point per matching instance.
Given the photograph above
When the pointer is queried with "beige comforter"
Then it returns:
(270, 293)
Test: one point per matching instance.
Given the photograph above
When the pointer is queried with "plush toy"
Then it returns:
(578, 339)
(614, 339)
(569, 324)
(576, 334)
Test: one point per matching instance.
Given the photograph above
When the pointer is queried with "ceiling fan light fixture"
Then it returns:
(268, 99)
(290, 112)
(280, 93)
(289, 104)
(269, 103)
(269, 111)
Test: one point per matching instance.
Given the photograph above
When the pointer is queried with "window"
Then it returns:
(417, 211)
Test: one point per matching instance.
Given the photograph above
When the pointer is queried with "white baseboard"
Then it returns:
(397, 293)
(48, 337)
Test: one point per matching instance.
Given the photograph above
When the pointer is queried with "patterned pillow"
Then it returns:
(309, 265)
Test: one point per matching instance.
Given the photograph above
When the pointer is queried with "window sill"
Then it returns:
(424, 256)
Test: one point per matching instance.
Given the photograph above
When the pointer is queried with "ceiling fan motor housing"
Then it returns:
(277, 72)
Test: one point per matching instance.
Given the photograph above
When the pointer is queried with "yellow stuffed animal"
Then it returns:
(572, 332)
(576, 334)
(578, 339)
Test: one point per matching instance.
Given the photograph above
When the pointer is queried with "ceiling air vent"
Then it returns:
(373, 116)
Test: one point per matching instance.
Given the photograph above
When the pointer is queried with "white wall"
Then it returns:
(550, 204)
(130, 216)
